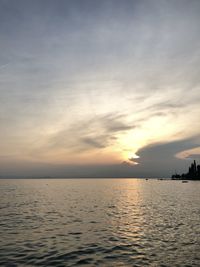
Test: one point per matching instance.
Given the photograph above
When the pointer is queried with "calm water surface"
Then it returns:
(94, 222)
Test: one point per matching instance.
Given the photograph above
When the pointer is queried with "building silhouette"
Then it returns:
(192, 174)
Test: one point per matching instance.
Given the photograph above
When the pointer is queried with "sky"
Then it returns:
(99, 88)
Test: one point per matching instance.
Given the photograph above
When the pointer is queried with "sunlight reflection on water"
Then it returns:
(94, 222)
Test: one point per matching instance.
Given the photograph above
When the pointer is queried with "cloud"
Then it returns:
(157, 160)
(189, 153)
(167, 149)
(79, 75)
(98, 142)
(94, 133)
(133, 161)
(161, 158)
(194, 156)
(115, 123)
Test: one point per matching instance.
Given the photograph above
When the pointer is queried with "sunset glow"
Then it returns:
(98, 85)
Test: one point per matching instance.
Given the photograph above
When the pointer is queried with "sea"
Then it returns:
(99, 222)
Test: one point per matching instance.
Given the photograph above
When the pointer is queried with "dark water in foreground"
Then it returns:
(114, 222)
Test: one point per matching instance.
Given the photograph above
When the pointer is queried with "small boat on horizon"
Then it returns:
(184, 181)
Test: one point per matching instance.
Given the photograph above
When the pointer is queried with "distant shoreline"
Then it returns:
(90, 178)
(192, 174)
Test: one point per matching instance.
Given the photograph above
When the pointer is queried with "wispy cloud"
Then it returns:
(94, 133)
(105, 77)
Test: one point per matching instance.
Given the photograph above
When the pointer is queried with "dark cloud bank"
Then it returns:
(156, 160)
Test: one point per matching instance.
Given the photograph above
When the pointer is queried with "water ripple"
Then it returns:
(99, 223)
